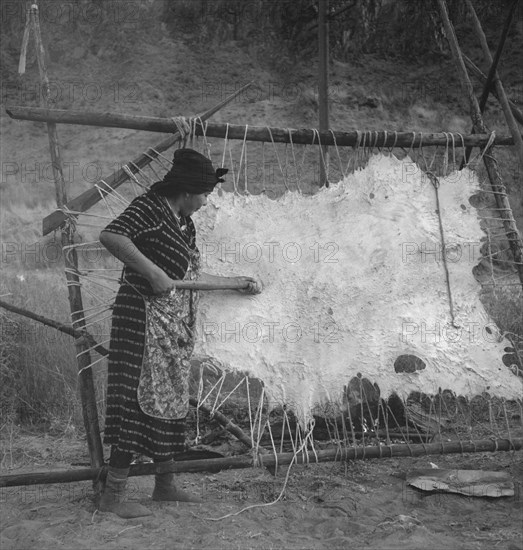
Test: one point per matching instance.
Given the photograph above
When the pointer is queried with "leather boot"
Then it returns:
(165, 490)
(113, 498)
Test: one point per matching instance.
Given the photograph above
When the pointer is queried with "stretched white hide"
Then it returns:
(353, 278)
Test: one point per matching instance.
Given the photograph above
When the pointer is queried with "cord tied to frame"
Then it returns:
(436, 184)
(487, 147)
(71, 221)
(183, 126)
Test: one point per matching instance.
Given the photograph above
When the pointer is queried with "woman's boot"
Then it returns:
(165, 490)
(113, 497)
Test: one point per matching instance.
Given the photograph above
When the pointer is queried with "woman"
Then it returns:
(155, 239)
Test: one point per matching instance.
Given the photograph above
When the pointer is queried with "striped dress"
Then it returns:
(150, 223)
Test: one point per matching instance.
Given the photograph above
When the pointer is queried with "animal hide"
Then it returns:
(354, 285)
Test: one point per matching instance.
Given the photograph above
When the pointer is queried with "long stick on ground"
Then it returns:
(229, 425)
(498, 188)
(302, 136)
(271, 460)
(90, 197)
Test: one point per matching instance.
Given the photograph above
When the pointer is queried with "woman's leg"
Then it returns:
(113, 498)
(164, 488)
(120, 459)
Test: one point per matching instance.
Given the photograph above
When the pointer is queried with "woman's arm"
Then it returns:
(125, 250)
(252, 285)
(208, 278)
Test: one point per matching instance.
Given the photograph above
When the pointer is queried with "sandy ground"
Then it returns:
(359, 504)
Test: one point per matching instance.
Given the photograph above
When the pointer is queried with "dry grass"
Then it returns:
(37, 363)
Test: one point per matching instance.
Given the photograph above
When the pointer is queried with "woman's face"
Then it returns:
(193, 203)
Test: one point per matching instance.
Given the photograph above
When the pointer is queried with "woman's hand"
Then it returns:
(161, 283)
(250, 284)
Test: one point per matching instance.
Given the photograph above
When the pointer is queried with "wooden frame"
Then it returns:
(376, 139)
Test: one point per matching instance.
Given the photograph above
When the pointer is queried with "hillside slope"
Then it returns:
(168, 76)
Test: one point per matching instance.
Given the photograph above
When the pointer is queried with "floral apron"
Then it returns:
(163, 391)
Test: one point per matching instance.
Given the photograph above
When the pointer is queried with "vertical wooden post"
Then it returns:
(86, 383)
(323, 83)
(492, 76)
(500, 193)
(498, 86)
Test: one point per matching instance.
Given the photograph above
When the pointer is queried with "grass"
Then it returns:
(37, 360)
(37, 363)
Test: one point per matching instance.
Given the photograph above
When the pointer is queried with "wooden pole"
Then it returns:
(61, 327)
(105, 119)
(272, 460)
(498, 188)
(323, 84)
(492, 80)
(203, 285)
(25, 40)
(480, 75)
(229, 425)
(302, 136)
(85, 378)
(498, 86)
(197, 284)
(90, 197)
(492, 75)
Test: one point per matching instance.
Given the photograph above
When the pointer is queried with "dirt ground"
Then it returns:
(358, 504)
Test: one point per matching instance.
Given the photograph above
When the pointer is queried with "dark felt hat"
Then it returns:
(191, 172)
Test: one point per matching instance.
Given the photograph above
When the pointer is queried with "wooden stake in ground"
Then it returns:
(500, 193)
(85, 378)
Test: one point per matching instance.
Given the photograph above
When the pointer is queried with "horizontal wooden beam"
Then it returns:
(272, 460)
(369, 138)
(303, 136)
(91, 118)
